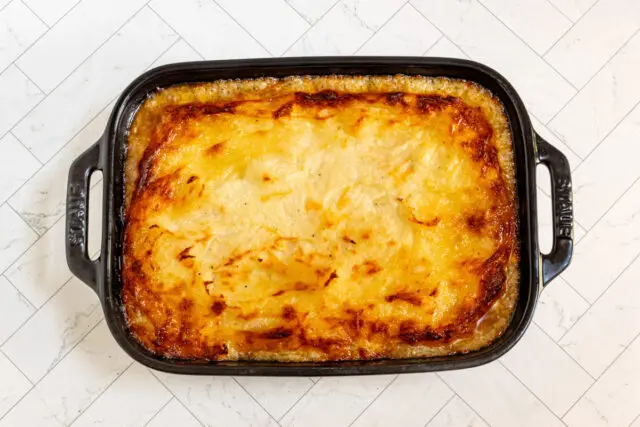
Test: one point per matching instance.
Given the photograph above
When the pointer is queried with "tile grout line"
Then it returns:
(243, 28)
(380, 27)
(44, 94)
(255, 400)
(545, 125)
(37, 310)
(527, 44)
(571, 27)
(173, 394)
(10, 132)
(25, 222)
(462, 398)
(69, 75)
(628, 113)
(434, 43)
(17, 367)
(171, 399)
(310, 27)
(561, 13)
(599, 296)
(530, 391)
(298, 13)
(36, 15)
(15, 61)
(374, 399)
(595, 74)
(453, 396)
(634, 420)
(21, 295)
(49, 371)
(298, 400)
(180, 37)
(602, 374)
(565, 352)
(102, 392)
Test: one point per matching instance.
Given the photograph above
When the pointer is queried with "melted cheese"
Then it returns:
(319, 218)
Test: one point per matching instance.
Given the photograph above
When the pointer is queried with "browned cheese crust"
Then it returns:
(320, 218)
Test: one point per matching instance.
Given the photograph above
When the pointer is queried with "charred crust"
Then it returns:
(218, 307)
(331, 278)
(277, 294)
(277, 333)
(395, 98)
(284, 111)
(191, 179)
(411, 297)
(476, 222)
(185, 254)
(325, 98)
(429, 223)
(215, 149)
(288, 312)
(432, 103)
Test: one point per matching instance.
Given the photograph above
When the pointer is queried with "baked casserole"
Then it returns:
(320, 218)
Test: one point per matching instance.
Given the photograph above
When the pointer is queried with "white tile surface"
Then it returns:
(19, 95)
(603, 102)
(594, 39)
(13, 386)
(290, 389)
(15, 236)
(399, 403)
(216, 400)
(613, 319)
(406, 33)
(16, 172)
(174, 414)
(14, 309)
(595, 192)
(86, 92)
(42, 269)
(94, 48)
(51, 11)
(548, 371)
(63, 50)
(132, 400)
(53, 331)
(208, 29)
(456, 413)
(83, 375)
(559, 308)
(608, 248)
(41, 201)
(19, 28)
(543, 89)
(499, 397)
(311, 11)
(275, 38)
(321, 39)
(615, 399)
(346, 396)
(537, 22)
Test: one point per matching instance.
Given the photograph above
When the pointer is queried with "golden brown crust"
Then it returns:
(320, 218)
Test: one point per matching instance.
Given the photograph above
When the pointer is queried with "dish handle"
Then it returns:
(556, 261)
(77, 231)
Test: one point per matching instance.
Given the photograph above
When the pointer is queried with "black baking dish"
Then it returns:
(108, 155)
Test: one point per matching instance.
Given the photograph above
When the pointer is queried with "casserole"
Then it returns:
(104, 274)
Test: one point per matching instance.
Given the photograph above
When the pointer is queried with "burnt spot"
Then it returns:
(432, 103)
(325, 98)
(411, 335)
(493, 275)
(330, 279)
(284, 111)
(476, 222)
(322, 271)
(277, 294)
(154, 226)
(277, 333)
(185, 305)
(427, 223)
(218, 307)
(288, 312)
(215, 149)
(411, 297)
(301, 286)
(366, 235)
(266, 178)
(434, 292)
(348, 239)
(185, 254)
(379, 327)
(191, 179)
(213, 352)
(395, 98)
(371, 267)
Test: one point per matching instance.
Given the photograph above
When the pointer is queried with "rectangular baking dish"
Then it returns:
(108, 156)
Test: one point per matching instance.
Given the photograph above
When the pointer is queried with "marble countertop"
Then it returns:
(574, 62)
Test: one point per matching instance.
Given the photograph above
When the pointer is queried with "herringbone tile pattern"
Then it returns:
(576, 63)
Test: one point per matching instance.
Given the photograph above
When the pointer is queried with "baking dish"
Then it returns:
(107, 155)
